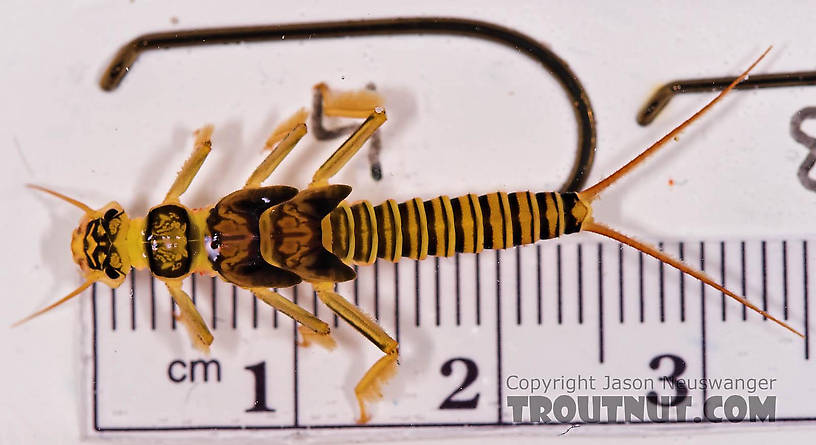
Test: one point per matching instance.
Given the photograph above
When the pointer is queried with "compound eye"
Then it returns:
(111, 273)
(110, 214)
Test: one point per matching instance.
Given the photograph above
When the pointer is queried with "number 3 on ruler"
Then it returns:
(678, 367)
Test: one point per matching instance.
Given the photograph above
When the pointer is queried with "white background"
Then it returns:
(464, 116)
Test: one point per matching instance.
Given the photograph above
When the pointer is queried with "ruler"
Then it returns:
(471, 327)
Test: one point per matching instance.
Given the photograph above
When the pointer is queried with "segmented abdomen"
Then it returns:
(360, 233)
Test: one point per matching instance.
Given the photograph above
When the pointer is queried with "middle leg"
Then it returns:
(311, 328)
(271, 162)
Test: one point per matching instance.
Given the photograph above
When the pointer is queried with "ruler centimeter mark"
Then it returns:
(478, 289)
(499, 387)
(500, 291)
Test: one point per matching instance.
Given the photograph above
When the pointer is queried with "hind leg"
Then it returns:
(349, 104)
(368, 389)
(352, 104)
(349, 148)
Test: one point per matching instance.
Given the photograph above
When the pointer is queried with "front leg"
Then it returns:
(190, 168)
(190, 317)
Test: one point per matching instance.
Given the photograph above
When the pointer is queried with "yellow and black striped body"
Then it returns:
(360, 233)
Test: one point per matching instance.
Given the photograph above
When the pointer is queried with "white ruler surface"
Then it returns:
(473, 329)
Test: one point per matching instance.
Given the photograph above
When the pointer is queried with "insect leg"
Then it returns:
(368, 388)
(286, 127)
(192, 165)
(278, 153)
(349, 148)
(190, 318)
(357, 104)
(316, 330)
(347, 104)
